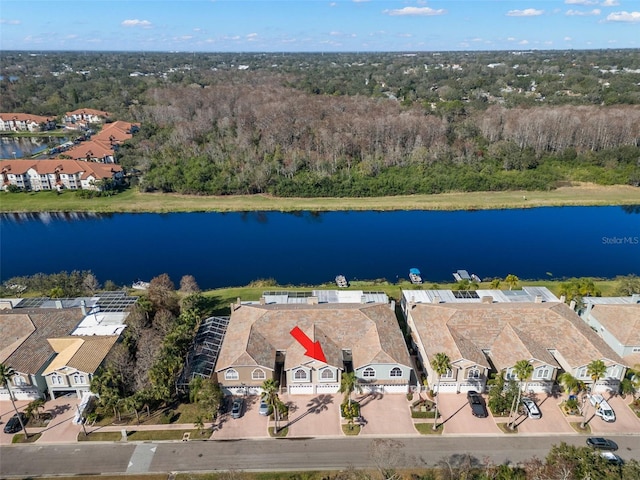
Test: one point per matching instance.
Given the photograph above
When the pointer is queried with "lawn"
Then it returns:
(134, 201)
(145, 435)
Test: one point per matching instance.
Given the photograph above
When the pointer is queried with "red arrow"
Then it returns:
(313, 349)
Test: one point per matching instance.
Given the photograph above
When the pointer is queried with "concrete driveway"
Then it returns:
(385, 415)
(552, 421)
(626, 420)
(250, 425)
(313, 415)
(458, 419)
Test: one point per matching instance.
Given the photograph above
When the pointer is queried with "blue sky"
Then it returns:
(318, 25)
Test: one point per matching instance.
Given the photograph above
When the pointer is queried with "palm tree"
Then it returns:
(523, 370)
(349, 384)
(512, 281)
(596, 370)
(441, 364)
(570, 383)
(6, 374)
(270, 394)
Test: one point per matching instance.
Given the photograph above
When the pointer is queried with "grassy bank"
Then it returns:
(134, 201)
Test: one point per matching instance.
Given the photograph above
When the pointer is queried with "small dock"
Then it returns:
(341, 281)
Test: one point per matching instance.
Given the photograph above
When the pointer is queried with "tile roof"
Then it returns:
(91, 149)
(622, 321)
(84, 354)
(256, 332)
(13, 331)
(71, 167)
(88, 111)
(36, 352)
(24, 117)
(531, 328)
(117, 132)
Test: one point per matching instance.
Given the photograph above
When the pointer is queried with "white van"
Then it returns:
(603, 409)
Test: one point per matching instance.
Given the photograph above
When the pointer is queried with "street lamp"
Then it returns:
(14, 155)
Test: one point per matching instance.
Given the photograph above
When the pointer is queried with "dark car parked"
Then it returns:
(601, 443)
(13, 425)
(476, 401)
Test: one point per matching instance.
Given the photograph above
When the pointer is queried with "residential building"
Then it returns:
(84, 116)
(617, 321)
(25, 122)
(489, 331)
(76, 362)
(357, 332)
(57, 174)
(103, 146)
(56, 345)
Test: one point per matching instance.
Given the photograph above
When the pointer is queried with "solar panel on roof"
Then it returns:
(465, 294)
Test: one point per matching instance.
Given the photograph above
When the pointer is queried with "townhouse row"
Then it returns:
(307, 340)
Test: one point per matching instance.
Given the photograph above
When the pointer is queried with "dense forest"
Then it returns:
(352, 124)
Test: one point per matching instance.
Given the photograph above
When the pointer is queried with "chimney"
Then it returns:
(83, 307)
(312, 300)
(363, 299)
(58, 304)
(436, 299)
(538, 299)
(635, 298)
(392, 305)
(487, 299)
(263, 301)
(563, 298)
(572, 305)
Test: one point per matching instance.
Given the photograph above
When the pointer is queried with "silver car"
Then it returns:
(236, 408)
(531, 408)
(264, 407)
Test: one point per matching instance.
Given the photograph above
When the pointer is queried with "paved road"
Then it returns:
(277, 454)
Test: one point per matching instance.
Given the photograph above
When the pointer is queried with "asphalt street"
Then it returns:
(279, 454)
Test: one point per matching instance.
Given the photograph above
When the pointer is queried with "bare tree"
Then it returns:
(188, 284)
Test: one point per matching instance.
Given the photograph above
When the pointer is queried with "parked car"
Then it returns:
(13, 424)
(236, 408)
(601, 443)
(264, 407)
(531, 408)
(603, 409)
(478, 408)
(612, 458)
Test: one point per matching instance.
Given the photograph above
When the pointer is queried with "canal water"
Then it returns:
(304, 248)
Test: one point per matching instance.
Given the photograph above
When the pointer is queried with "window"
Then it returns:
(542, 373)
(447, 374)
(613, 372)
(19, 380)
(78, 379)
(231, 374)
(258, 374)
(395, 372)
(473, 373)
(510, 375)
(369, 372)
(327, 374)
(300, 375)
(56, 380)
(635, 349)
(582, 372)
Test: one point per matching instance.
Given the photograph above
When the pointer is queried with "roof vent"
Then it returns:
(538, 299)
(436, 299)
(312, 300)
(487, 299)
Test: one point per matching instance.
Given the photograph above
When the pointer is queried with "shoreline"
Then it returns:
(132, 201)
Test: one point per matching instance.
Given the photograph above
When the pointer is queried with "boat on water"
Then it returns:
(140, 285)
(415, 276)
(341, 281)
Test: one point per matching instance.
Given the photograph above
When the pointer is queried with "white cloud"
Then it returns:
(333, 4)
(523, 42)
(252, 35)
(136, 23)
(361, 1)
(631, 17)
(567, 39)
(511, 39)
(528, 12)
(4, 21)
(415, 11)
(610, 3)
(582, 13)
(581, 2)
